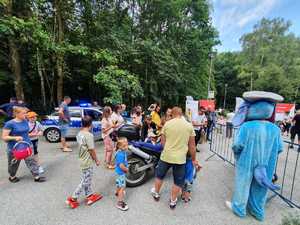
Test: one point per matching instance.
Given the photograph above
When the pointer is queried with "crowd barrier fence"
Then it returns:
(287, 171)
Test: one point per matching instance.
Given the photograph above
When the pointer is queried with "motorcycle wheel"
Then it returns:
(134, 178)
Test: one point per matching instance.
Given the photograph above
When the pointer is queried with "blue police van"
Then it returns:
(51, 127)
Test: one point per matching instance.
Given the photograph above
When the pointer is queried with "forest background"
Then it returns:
(137, 52)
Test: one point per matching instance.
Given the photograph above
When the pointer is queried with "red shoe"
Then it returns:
(93, 198)
(72, 202)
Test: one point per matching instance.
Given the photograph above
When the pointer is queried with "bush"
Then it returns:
(291, 220)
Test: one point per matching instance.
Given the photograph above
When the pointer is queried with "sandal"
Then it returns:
(111, 167)
(14, 180)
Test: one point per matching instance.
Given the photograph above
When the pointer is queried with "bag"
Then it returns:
(22, 150)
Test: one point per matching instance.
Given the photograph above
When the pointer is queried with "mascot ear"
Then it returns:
(272, 118)
(241, 114)
(260, 175)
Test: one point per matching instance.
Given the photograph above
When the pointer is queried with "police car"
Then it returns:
(51, 127)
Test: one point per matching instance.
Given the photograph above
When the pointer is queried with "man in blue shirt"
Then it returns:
(64, 122)
(7, 108)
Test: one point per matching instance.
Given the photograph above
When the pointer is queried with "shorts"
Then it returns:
(63, 130)
(35, 146)
(121, 181)
(178, 172)
(187, 187)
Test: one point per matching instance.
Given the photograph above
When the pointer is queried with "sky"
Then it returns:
(233, 18)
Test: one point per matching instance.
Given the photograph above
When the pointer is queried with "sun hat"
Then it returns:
(253, 96)
(31, 114)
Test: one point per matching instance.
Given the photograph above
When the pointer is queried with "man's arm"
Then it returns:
(3, 109)
(61, 112)
(192, 147)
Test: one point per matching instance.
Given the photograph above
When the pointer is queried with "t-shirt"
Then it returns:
(177, 133)
(297, 122)
(66, 112)
(17, 129)
(121, 158)
(85, 140)
(8, 108)
(117, 119)
(199, 119)
(156, 118)
(105, 123)
(35, 128)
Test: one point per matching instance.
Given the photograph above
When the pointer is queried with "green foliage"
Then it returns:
(269, 61)
(291, 220)
(131, 51)
(118, 83)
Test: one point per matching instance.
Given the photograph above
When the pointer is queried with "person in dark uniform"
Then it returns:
(7, 109)
(295, 130)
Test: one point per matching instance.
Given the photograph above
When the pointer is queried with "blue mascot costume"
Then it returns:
(256, 147)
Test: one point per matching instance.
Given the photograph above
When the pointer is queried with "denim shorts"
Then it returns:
(121, 181)
(63, 130)
(178, 172)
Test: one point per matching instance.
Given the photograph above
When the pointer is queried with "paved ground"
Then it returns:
(29, 203)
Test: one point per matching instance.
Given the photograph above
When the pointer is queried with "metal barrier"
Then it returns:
(287, 171)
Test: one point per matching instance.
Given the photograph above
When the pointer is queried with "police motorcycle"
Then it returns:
(142, 157)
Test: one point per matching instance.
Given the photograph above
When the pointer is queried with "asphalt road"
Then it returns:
(29, 203)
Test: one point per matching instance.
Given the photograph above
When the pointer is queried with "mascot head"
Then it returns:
(257, 105)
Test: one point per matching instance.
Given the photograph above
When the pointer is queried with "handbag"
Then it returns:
(21, 150)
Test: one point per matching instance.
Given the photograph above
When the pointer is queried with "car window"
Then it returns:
(75, 113)
(95, 115)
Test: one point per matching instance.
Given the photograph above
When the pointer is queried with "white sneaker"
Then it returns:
(173, 203)
(41, 170)
(154, 194)
(228, 205)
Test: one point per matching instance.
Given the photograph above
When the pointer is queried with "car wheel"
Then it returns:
(52, 135)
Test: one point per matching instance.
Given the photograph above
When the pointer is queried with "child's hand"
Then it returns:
(97, 162)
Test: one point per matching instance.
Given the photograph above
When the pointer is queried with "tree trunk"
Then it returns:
(40, 72)
(60, 56)
(14, 59)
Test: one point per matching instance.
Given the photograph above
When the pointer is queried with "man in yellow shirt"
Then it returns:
(178, 138)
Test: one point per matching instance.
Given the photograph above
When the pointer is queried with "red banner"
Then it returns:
(284, 107)
(207, 103)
